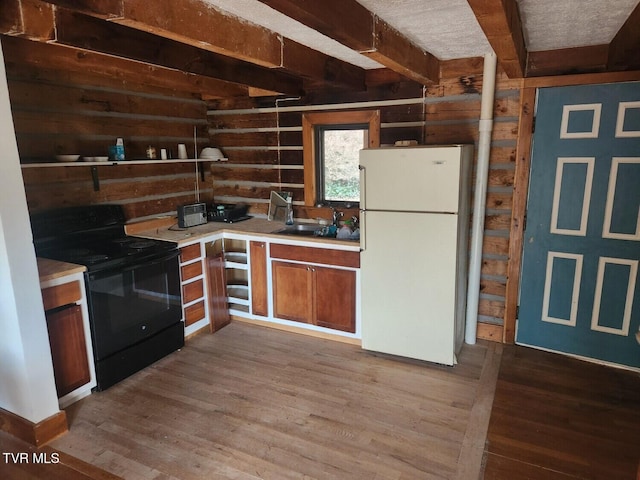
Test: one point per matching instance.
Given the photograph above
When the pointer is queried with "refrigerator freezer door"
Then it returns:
(423, 179)
(409, 285)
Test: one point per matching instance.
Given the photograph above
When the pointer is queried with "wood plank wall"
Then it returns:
(263, 141)
(57, 111)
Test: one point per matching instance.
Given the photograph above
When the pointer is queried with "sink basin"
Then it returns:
(302, 229)
(307, 230)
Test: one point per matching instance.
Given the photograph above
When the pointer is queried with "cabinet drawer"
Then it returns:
(190, 253)
(192, 291)
(325, 256)
(193, 313)
(190, 271)
(53, 297)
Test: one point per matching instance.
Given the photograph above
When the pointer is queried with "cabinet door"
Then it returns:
(216, 280)
(336, 298)
(258, 255)
(293, 291)
(68, 349)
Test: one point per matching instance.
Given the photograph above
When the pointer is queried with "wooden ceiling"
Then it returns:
(193, 42)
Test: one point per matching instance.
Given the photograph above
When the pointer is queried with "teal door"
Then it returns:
(579, 290)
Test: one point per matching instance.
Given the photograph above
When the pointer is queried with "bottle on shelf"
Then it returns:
(151, 152)
(119, 150)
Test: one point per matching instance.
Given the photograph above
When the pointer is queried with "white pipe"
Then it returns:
(480, 199)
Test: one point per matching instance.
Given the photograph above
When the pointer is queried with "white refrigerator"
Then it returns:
(414, 224)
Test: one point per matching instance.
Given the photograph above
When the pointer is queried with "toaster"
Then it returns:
(192, 214)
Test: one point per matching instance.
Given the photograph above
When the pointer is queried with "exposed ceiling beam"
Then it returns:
(501, 24)
(198, 24)
(27, 18)
(68, 59)
(565, 61)
(624, 49)
(349, 23)
(317, 66)
(90, 33)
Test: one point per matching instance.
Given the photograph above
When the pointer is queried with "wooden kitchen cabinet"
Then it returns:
(194, 311)
(336, 298)
(217, 286)
(259, 296)
(319, 295)
(67, 318)
(293, 291)
(68, 348)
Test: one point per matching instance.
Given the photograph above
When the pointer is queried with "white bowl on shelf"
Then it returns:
(67, 158)
(101, 159)
(213, 154)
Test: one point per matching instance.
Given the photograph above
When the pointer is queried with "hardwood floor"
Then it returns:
(251, 402)
(558, 418)
(22, 461)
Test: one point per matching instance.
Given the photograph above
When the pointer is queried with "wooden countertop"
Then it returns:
(256, 226)
(52, 269)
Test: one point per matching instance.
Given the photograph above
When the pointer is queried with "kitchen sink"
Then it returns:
(302, 229)
(308, 230)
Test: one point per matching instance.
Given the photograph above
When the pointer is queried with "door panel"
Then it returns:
(431, 186)
(336, 298)
(259, 300)
(68, 349)
(292, 291)
(579, 290)
(408, 285)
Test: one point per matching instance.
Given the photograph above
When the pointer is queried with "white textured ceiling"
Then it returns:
(448, 29)
(553, 24)
(445, 28)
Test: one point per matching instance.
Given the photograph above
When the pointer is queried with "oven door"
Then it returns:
(132, 303)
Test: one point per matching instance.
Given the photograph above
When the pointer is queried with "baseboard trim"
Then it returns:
(36, 434)
(300, 330)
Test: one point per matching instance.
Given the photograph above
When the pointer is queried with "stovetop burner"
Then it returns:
(94, 258)
(94, 240)
(142, 244)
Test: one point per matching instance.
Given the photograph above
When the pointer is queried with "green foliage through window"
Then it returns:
(339, 159)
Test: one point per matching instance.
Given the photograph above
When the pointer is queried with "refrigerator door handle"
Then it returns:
(363, 207)
(363, 191)
(363, 230)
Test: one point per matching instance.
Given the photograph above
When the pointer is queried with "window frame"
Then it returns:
(309, 123)
(320, 131)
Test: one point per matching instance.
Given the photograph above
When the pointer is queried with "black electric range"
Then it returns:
(132, 284)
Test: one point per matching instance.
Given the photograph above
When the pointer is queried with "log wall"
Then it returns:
(263, 141)
(56, 111)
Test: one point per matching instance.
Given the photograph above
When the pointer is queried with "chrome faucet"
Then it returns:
(336, 216)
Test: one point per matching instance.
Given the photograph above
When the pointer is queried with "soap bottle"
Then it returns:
(119, 149)
(288, 218)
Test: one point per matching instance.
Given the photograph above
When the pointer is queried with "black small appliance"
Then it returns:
(224, 212)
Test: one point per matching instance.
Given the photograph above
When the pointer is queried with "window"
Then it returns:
(337, 152)
(331, 144)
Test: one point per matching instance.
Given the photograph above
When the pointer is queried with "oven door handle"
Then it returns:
(138, 264)
(152, 261)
